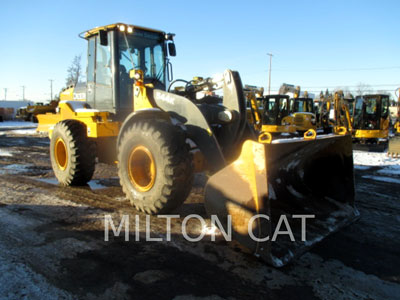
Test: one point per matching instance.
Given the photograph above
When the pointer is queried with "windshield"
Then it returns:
(145, 51)
(303, 105)
(385, 107)
(366, 113)
(371, 104)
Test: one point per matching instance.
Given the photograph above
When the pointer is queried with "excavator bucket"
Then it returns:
(285, 196)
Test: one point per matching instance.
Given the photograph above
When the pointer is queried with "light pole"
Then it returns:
(23, 93)
(51, 89)
(269, 77)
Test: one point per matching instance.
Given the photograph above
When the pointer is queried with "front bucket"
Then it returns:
(308, 183)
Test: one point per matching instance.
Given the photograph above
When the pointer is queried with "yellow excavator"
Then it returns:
(371, 122)
(325, 119)
(394, 142)
(132, 115)
(301, 108)
(270, 113)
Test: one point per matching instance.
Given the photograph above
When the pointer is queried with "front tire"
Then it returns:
(155, 166)
(72, 153)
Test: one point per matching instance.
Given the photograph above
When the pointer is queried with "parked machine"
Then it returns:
(324, 115)
(30, 112)
(342, 118)
(301, 108)
(132, 115)
(270, 113)
(394, 142)
(371, 122)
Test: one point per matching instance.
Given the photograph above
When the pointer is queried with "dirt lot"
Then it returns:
(52, 243)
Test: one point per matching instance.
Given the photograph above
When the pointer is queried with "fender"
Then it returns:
(149, 113)
(197, 127)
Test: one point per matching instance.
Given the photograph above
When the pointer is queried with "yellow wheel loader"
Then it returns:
(137, 119)
(371, 122)
(30, 112)
(394, 142)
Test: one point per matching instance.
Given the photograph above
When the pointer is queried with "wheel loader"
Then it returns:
(161, 136)
(371, 122)
(30, 112)
(394, 142)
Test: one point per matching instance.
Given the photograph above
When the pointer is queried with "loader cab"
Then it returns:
(113, 51)
(370, 111)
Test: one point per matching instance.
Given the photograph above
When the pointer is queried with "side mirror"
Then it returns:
(103, 38)
(171, 49)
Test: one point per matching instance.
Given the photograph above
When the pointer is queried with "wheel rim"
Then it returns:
(141, 168)
(60, 153)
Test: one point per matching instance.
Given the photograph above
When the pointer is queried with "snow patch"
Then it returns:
(390, 170)
(5, 153)
(24, 131)
(93, 184)
(374, 159)
(16, 124)
(381, 178)
(362, 167)
(15, 169)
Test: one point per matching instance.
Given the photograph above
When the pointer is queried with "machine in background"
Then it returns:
(371, 122)
(394, 141)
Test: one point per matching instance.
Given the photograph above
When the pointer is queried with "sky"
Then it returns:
(315, 44)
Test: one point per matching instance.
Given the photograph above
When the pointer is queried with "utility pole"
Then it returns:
(51, 89)
(269, 77)
(5, 93)
(23, 93)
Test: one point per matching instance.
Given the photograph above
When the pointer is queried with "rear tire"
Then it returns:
(155, 167)
(72, 153)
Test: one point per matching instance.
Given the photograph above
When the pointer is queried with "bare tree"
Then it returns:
(74, 71)
(363, 88)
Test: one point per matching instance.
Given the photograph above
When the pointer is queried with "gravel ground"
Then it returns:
(52, 243)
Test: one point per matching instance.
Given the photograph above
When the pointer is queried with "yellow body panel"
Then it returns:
(397, 126)
(67, 94)
(302, 121)
(278, 128)
(371, 134)
(97, 122)
(141, 101)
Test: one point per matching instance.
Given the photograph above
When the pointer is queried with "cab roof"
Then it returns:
(88, 33)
